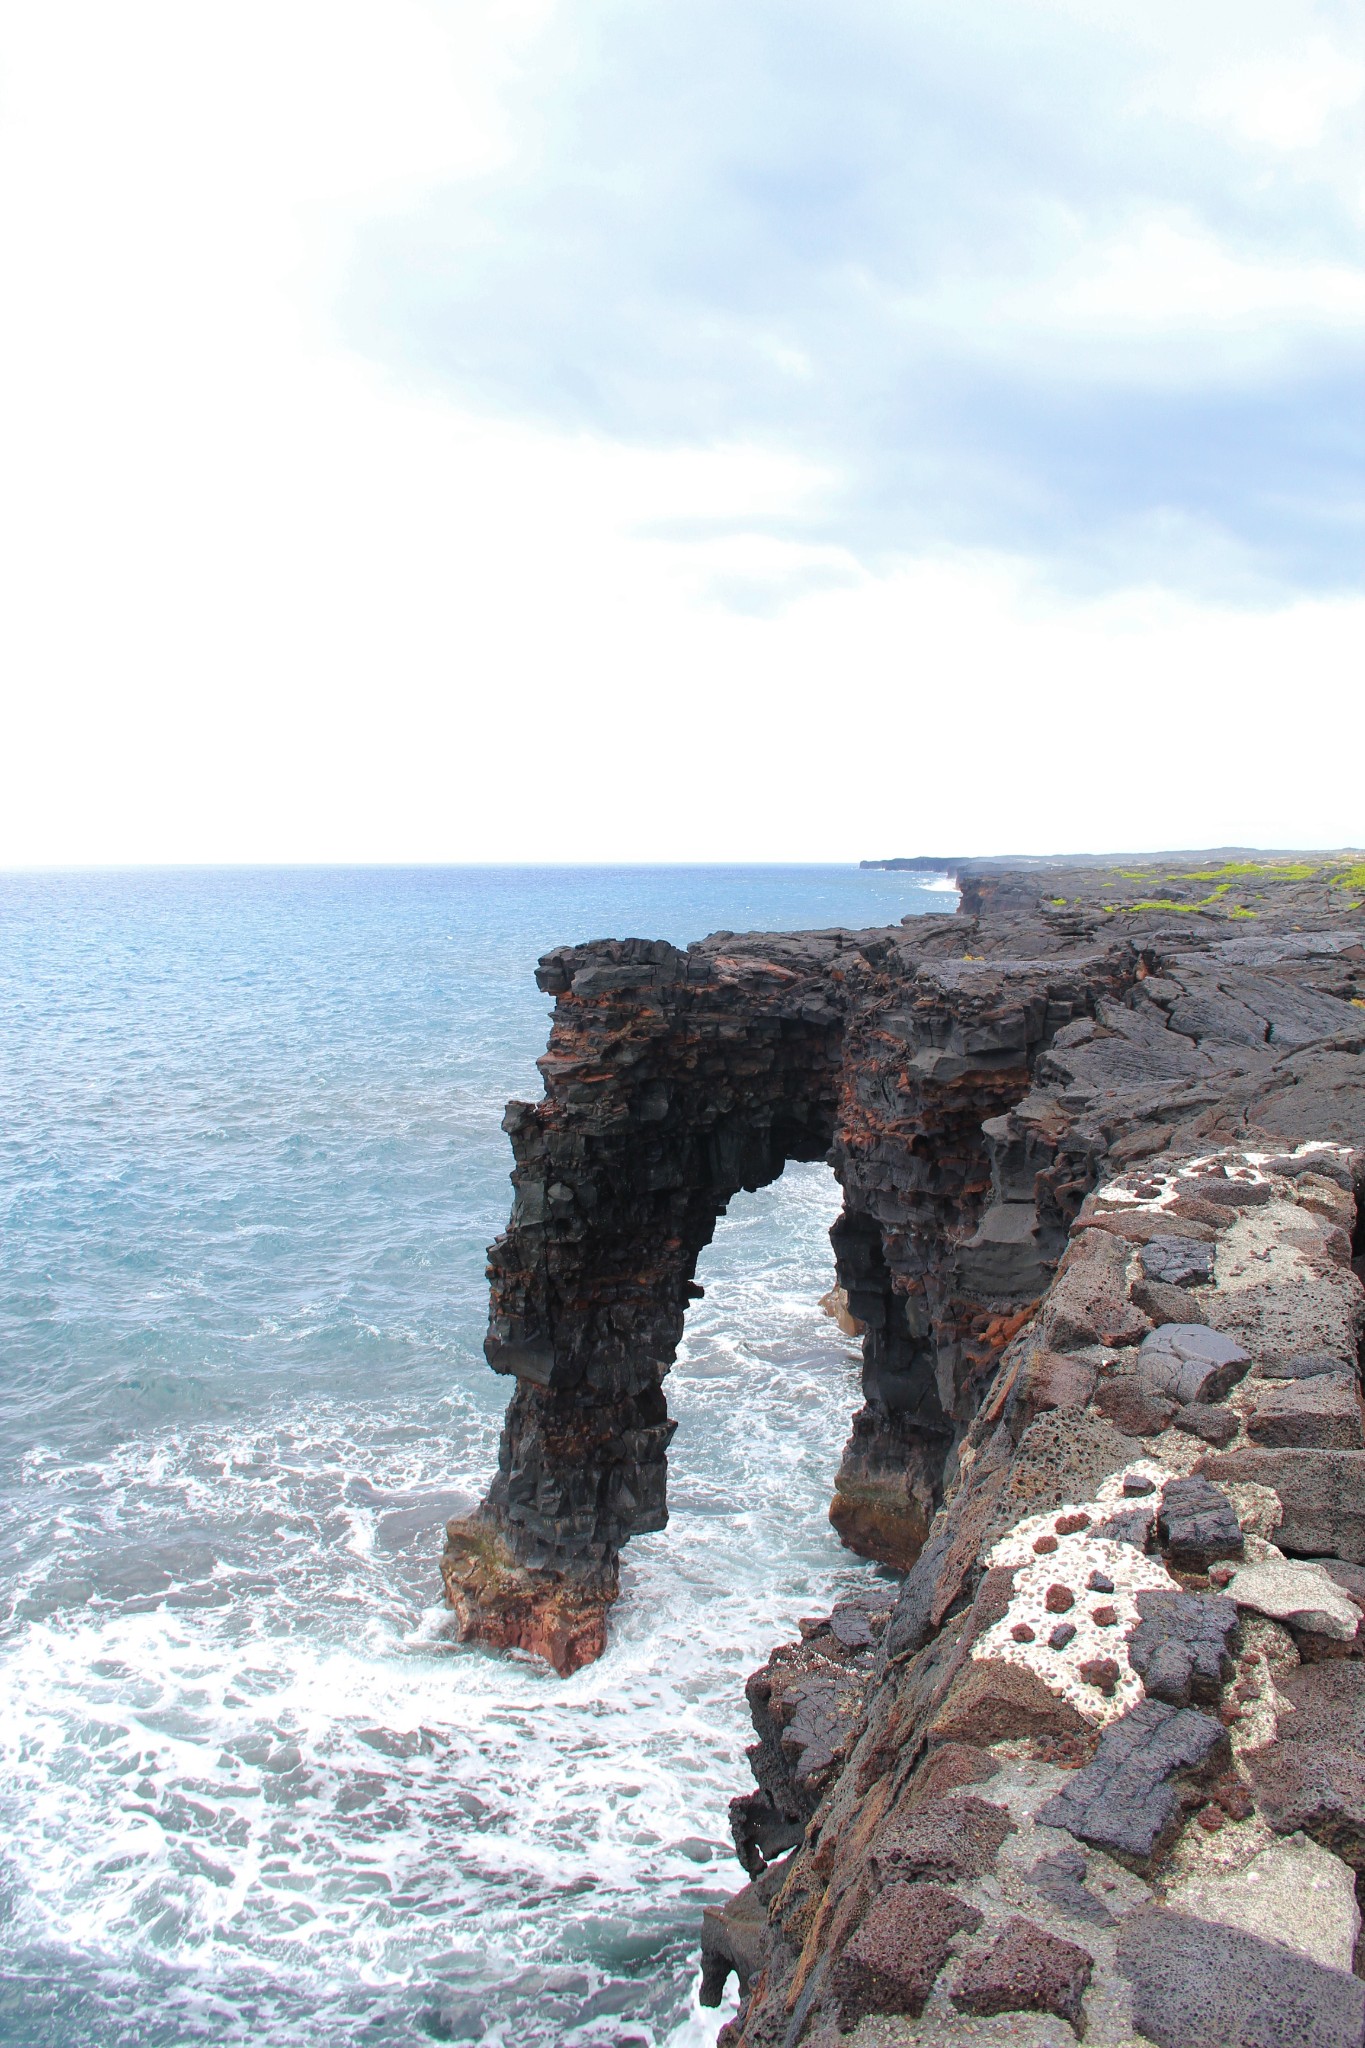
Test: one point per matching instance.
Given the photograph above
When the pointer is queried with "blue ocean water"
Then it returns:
(250, 1789)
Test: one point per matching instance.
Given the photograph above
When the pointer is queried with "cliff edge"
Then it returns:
(1098, 1769)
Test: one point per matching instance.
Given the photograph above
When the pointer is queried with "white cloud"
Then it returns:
(1288, 100)
(269, 601)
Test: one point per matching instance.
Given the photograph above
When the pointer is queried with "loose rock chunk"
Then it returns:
(946, 1839)
(1321, 1412)
(893, 1960)
(1196, 1524)
(1192, 1363)
(1026, 1969)
(1178, 1261)
(1301, 1595)
(1183, 1646)
(1148, 1767)
(1322, 1494)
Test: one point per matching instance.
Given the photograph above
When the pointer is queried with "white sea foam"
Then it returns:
(250, 1792)
(243, 1748)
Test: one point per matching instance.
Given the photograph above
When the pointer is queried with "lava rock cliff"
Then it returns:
(1097, 1768)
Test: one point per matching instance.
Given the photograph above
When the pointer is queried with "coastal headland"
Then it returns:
(1097, 1766)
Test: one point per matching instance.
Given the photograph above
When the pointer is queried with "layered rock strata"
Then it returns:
(972, 1079)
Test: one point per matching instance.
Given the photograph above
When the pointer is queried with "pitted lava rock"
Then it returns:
(1026, 1969)
(892, 1963)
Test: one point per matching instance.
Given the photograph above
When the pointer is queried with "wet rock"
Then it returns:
(1149, 1766)
(1293, 1892)
(1190, 1362)
(1182, 1648)
(893, 1960)
(856, 1624)
(1026, 1969)
(1177, 1261)
(1196, 1524)
(995, 1701)
(1303, 1596)
(1317, 1412)
(1209, 1421)
(945, 1839)
(761, 1830)
(1200, 1984)
(736, 1937)
(1322, 1494)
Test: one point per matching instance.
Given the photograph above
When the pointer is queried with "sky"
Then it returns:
(703, 430)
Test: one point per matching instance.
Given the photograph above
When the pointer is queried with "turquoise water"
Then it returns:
(250, 1790)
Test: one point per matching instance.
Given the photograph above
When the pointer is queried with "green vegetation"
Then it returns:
(1273, 871)
(1350, 878)
(1169, 902)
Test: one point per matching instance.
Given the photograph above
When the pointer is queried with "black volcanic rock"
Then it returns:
(1148, 1767)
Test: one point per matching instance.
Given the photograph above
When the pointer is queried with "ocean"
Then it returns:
(251, 1789)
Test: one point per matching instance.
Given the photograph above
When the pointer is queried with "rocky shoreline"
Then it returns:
(1097, 1769)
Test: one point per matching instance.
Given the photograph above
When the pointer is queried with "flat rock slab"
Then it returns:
(1321, 1412)
(1190, 1362)
(893, 1960)
(1026, 1969)
(1322, 1494)
(1300, 1595)
(1149, 1765)
(1293, 1892)
(1304, 1365)
(1200, 1984)
(1177, 1261)
(1182, 1647)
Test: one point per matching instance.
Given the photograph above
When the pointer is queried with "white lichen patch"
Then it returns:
(1099, 1620)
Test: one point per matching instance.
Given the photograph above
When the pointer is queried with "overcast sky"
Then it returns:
(680, 429)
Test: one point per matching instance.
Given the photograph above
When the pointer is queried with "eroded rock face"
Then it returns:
(972, 1079)
(1123, 1666)
(1098, 1233)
